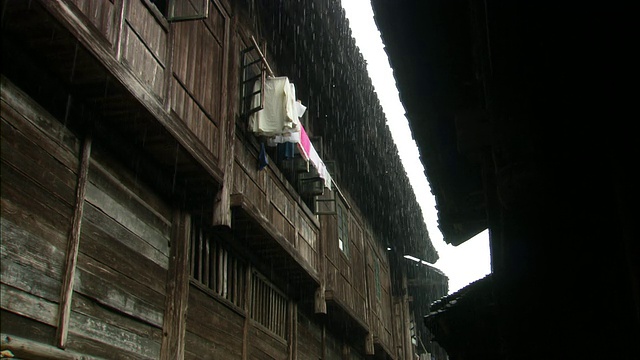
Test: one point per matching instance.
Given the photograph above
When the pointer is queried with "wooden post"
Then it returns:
(222, 203)
(406, 316)
(369, 346)
(293, 330)
(175, 312)
(73, 244)
(346, 351)
(247, 313)
(320, 303)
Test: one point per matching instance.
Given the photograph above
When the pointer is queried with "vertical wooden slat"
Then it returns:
(121, 6)
(213, 281)
(225, 277)
(72, 247)
(174, 324)
(220, 271)
(207, 255)
(192, 259)
(199, 254)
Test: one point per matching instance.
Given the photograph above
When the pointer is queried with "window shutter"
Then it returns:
(187, 10)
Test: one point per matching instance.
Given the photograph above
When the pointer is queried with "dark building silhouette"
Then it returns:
(524, 115)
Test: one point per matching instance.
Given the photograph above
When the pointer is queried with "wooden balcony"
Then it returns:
(270, 219)
(137, 75)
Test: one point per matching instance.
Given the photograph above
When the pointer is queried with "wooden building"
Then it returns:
(521, 110)
(137, 221)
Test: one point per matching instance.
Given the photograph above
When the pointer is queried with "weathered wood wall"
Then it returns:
(118, 298)
(199, 74)
(121, 291)
(144, 45)
(214, 330)
(380, 302)
(276, 201)
(309, 338)
(39, 167)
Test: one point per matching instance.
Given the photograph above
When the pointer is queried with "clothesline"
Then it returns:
(279, 121)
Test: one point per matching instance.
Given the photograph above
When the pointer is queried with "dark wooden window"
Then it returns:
(213, 267)
(269, 306)
(343, 229)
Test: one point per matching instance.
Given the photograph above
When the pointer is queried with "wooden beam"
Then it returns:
(175, 314)
(73, 244)
(29, 349)
(222, 203)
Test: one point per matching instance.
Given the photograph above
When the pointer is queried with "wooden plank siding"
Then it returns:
(277, 202)
(345, 272)
(123, 294)
(144, 46)
(39, 167)
(118, 299)
(102, 14)
(381, 309)
(214, 330)
(199, 75)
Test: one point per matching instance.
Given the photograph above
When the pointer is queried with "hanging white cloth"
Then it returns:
(279, 115)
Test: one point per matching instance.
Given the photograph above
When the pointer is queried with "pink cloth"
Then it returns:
(305, 143)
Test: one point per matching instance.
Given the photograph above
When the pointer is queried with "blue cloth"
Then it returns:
(262, 157)
(286, 151)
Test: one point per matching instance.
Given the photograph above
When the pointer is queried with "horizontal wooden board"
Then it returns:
(128, 218)
(123, 235)
(26, 328)
(113, 330)
(100, 245)
(27, 305)
(263, 345)
(199, 348)
(214, 322)
(309, 338)
(29, 263)
(112, 289)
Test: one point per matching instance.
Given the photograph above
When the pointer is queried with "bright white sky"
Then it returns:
(462, 264)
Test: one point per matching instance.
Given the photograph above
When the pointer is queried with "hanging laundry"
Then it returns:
(279, 115)
(286, 151)
(305, 143)
(262, 157)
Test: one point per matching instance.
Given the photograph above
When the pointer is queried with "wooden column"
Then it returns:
(369, 346)
(320, 302)
(175, 313)
(293, 330)
(73, 244)
(247, 313)
(406, 316)
(222, 203)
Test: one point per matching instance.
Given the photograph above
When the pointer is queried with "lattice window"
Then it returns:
(268, 306)
(215, 268)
